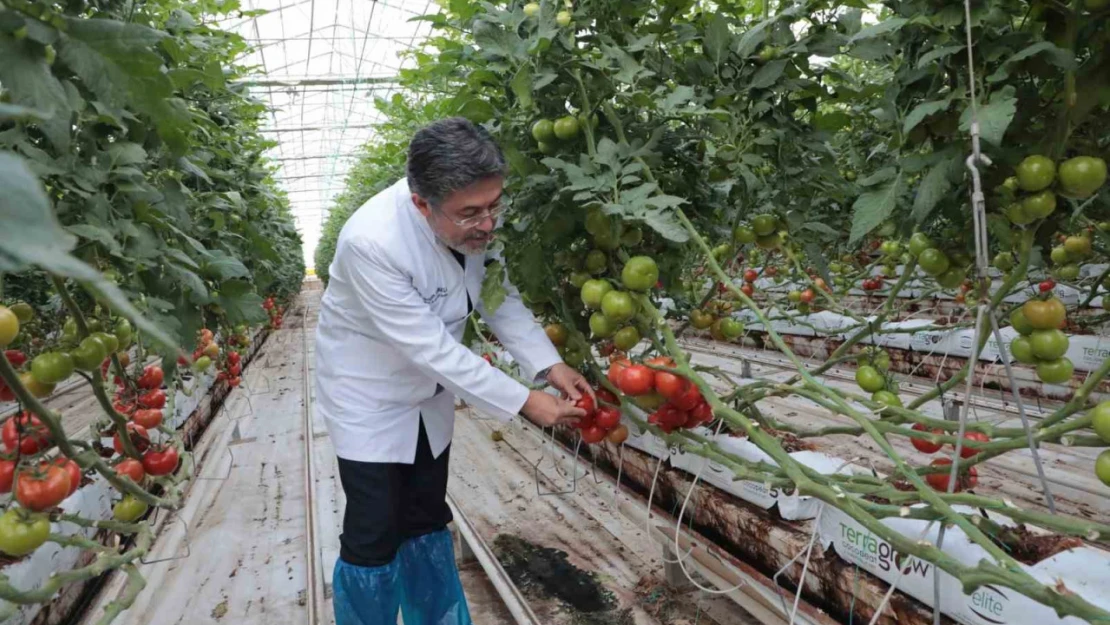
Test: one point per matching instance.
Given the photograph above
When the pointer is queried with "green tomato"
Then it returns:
(547, 148)
(1068, 272)
(1017, 215)
(794, 296)
(21, 533)
(881, 361)
(730, 328)
(1048, 344)
(618, 306)
(933, 261)
(1100, 420)
(593, 291)
(626, 338)
(543, 131)
(1035, 173)
(1021, 322)
(563, 18)
(575, 357)
(869, 379)
(1040, 205)
(743, 235)
(89, 354)
(602, 326)
(769, 242)
(23, 311)
(607, 240)
(721, 252)
(9, 326)
(886, 398)
(1055, 371)
(1077, 246)
(640, 273)
(764, 224)
(1004, 261)
(1102, 465)
(1059, 255)
(1081, 176)
(111, 343)
(1022, 350)
(531, 9)
(632, 237)
(566, 128)
(919, 243)
(598, 222)
(129, 509)
(578, 278)
(202, 363)
(596, 261)
(52, 367)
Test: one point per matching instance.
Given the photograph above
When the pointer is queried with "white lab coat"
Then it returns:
(390, 327)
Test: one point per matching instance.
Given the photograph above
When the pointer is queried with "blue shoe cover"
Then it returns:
(432, 593)
(366, 595)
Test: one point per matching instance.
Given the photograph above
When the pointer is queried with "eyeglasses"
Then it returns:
(471, 222)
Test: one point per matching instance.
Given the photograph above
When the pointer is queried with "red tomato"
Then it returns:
(26, 432)
(923, 445)
(939, 481)
(607, 417)
(750, 275)
(123, 407)
(771, 271)
(6, 393)
(222, 376)
(668, 417)
(129, 467)
(234, 370)
(43, 488)
(637, 380)
(593, 434)
(182, 361)
(160, 461)
(7, 475)
(585, 402)
(151, 378)
(233, 357)
(604, 395)
(139, 438)
(615, 369)
(74, 472)
(970, 438)
(688, 399)
(15, 357)
(670, 385)
(235, 381)
(747, 289)
(807, 296)
(149, 418)
(153, 399)
(487, 358)
(702, 413)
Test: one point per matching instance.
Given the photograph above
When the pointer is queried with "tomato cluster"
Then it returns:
(1100, 422)
(1042, 342)
(614, 308)
(550, 135)
(275, 311)
(675, 401)
(1037, 182)
(602, 422)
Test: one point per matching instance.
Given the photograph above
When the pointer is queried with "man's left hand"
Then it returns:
(570, 382)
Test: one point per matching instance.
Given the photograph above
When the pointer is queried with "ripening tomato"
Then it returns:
(7, 475)
(26, 432)
(747, 289)
(593, 434)
(42, 488)
(1044, 314)
(607, 417)
(556, 333)
(139, 438)
(149, 418)
(204, 336)
(926, 446)
(636, 380)
(160, 460)
(750, 275)
(618, 435)
(808, 296)
(615, 370)
(701, 319)
(939, 481)
(131, 468)
(970, 448)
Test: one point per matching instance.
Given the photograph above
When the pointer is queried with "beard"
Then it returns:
(469, 244)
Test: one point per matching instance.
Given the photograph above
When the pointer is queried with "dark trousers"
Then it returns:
(389, 503)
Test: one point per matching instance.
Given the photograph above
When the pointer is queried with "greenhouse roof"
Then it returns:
(320, 64)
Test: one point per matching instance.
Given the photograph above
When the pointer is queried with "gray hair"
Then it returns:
(449, 155)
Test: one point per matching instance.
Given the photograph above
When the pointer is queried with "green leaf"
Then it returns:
(16, 112)
(882, 175)
(932, 189)
(27, 77)
(240, 302)
(873, 207)
(126, 153)
(680, 96)
(476, 110)
(937, 54)
(223, 266)
(1057, 56)
(522, 85)
(493, 287)
(886, 26)
(189, 280)
(768, 74)
(831, 121)
(995, 117)
(921, 111)
(717, 39)
(98, 234)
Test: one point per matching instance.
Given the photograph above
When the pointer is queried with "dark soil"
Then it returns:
(545, 572)
(1029, 548)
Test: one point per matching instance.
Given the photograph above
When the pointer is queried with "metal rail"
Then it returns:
(315, 590)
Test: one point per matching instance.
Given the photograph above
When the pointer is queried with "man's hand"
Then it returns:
(547, 410)
(570, 382)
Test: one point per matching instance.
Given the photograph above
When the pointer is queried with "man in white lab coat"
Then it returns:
(407, 272)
